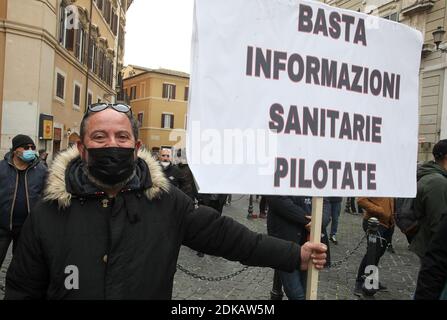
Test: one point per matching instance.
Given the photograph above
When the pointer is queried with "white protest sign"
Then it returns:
(299, 98)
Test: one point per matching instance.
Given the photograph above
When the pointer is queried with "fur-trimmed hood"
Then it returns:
(56, 188)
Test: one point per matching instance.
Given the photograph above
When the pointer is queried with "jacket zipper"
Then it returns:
(15, 193)
(26, 191)
(13, 199)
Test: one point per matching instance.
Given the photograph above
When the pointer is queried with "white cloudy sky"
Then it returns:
(158, 34)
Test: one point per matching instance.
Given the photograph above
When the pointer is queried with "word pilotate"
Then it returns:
(322, 72)
(335, 173)
(324, 122)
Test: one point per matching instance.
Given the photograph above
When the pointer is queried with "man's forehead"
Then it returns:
(109, 119)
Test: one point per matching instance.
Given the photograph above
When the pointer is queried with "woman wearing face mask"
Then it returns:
(21, 182)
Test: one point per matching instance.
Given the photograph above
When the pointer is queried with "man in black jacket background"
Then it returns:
(22, 178)
(111, 225)
(287, 219)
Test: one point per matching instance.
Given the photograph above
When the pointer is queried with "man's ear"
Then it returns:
(81, 149)
(138, 145)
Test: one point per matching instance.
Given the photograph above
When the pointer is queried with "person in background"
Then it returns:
(43, 155)
(288, 219)
(383, 210)
(431, 198)
(22, 177)
(332, 212)
(432, 278)
(169, 169)
(263, 207)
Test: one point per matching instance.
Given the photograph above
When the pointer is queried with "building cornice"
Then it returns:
(157, 98)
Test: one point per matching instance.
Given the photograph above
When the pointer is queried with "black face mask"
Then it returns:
(111, 165)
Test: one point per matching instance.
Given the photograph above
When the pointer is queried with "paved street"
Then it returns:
(397, 271)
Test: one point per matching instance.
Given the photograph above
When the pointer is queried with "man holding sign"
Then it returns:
(111, 224)
(294, 97)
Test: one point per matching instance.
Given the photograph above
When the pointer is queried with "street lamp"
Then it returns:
(438, 36)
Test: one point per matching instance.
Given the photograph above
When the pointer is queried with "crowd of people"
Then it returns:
(107, 207)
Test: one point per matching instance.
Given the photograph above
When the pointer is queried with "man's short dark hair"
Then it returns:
(440, 149)
(133, 123)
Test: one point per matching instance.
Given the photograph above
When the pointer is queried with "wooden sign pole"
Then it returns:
(315, 236)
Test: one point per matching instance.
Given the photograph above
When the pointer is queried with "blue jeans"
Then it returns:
(294, 284)
(331, 212)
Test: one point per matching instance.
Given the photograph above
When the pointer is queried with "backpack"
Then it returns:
(407, 220)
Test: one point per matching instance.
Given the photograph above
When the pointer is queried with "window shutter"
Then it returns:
(164, 95)
(78, 43)
(60, 86)
(83, 53)
(69, 39)
(173, 92)
(61, 24)
(77, 95)
(90, 54)
(172, 119)
(163, 120)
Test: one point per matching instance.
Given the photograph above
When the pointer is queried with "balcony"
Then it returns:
(410, 7)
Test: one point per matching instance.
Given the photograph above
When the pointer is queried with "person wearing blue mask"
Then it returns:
(22, 177)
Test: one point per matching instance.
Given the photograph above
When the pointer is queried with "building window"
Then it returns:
(100, 68)
(60, 86)
(393, 17)
(89, 98)
(110, 82)
(107, 10)
(140, 119)
(62, 20)
(92, 55)
(121, 36)
(67, 21)
(99, 4)
(186, 93)
(77, 96)
(167, 121)
(114, 24)
(133, 92)
(168, 91)
(80, 44)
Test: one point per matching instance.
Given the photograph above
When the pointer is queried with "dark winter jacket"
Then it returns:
(34, 177)
(286, 218)
(433, 274)
(188, 186)
(124, 247)
(174, 175)
(430, 204)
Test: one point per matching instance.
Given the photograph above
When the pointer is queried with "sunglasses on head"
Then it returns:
(120, 107)
(29, 147)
